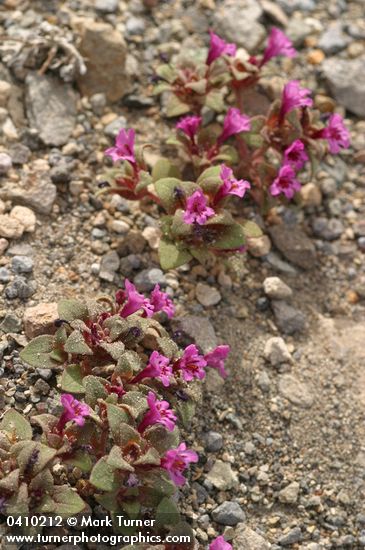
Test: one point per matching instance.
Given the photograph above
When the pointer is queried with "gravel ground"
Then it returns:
(281, 441)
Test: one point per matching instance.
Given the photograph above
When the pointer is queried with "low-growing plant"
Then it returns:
(127, 389)
(259, 156)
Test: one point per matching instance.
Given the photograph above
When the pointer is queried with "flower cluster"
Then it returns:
(126, 389)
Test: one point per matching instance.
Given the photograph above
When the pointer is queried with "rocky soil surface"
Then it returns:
(281, 441)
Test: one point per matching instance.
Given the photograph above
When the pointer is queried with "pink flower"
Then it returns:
(159, 413)
(295, 155)
(189, 125)
(72, 410)
(234, 123)
(285, 182)
(220, 544)
(294, 96)
(124, 147)
(158, 367)
(176, 461)
(336, 133)
(197, 210)
(219, 47)
(192, 364)
(135, 301)
(160, 301)
(278, 44)
(230, 185)
(216, 359)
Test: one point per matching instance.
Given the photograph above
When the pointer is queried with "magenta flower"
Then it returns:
(160, 301)
(197, 210)
(176, 461)
(124, 147)
(234, 123)
(295, 155)
(230, 185)
(293, 97)
(135, 301)
(278, 44)
(285, 183)
(73, 410)
(192, 364)
(158, 367)
(336, 133)
(220, 544)
(189, 125)
(159, 413)
(219, 47)
(216, 359)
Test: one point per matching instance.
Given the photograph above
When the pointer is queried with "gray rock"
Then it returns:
(237, 21)
(107, 6)
(228, 513)
(22, 264)
(333, 39)
(276, 352)
(207, 295)
(20, 288)
(247, 539)
(198, 329)
(108, 266)
(280, 265)
(289, 495)
(61, 173)
(21, 249)
(112, 129)
(294, 245)
(327, 229)
(135, 26)
(295, 391)
(222, 477)
(5, 163)
(288, 319)
(37, 192)
(289, 6)
(98, 102)
(213, 442)
(297, 31)
(51, 108)
(293, 536)
(11, 323)
(346, 80)
(20, 154)
(275, 288)
(264, 382)
(148, 278)
(4, 275)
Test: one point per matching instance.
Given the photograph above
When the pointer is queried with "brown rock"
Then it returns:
(248, 539)
(259, 246)
(105, 52)
(311, 194)
(294, 245)
(40, 319)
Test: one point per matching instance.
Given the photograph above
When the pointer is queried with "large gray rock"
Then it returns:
(248, 539)
(294, 245)
(105, 52)
(346, 80)
(199, 329)
(334, 39)
(288, 319)
(228, 513)
(222, 477)
(295, 391)
(51, 108)
(237, 21)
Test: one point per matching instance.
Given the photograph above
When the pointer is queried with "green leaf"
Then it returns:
(80, 460)
(37, 352)
(251, 229)
(117, 326)
(211, 172)
(202, 254)
(186, 411)
(18, 504)
(127, 435)
(160, 88)
(145, 180)
(167, 513)
(116, 417)
(136, 403)
(178, 227)
(67, 501)
(151, 457)
(232, 237)
(32, 456)
(71, 380)
(128, 364)
(72, 309)
(198, 86)
(10, 483)
(167, 347)
(163, 168)
(171, 256)
(215, 100)
(46, 421)
(76, 344)
(165, 189)
(116, 460)
(103, 476)
(162, 439)
(115, 349)
(14, 423)
(167, 72)
(176, 107)
(94, 390)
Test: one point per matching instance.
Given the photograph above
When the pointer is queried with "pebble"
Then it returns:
(25, 216)
(5, 275)
(107, 6)
(11, 323)
(294, 245)
(293, 536)
(264, 382)
(207, 295)
(289, 495)
(200, 330)
(246, 538)
(334, 40)
(311, 195)
(98, 103)
(213, 442)
(119, 226)
(222, 477)
(22, 264)
(20, 288)
(152, 236)
(20, 154)
(228, 513)
(5, 163)
(108, 266)
(276, 352)
(327, 229)
(147, 279)
(40, 319)
(346, 80)
(276, 289)
(288, 319)
(259, 246)
(113, 128)
(135, 26)
(61, 173)
(238, 23)
(10, 227)
(295, 391)
(3, 245)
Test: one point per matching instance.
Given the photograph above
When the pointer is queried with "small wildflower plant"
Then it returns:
(258, 157)
(126, 389)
